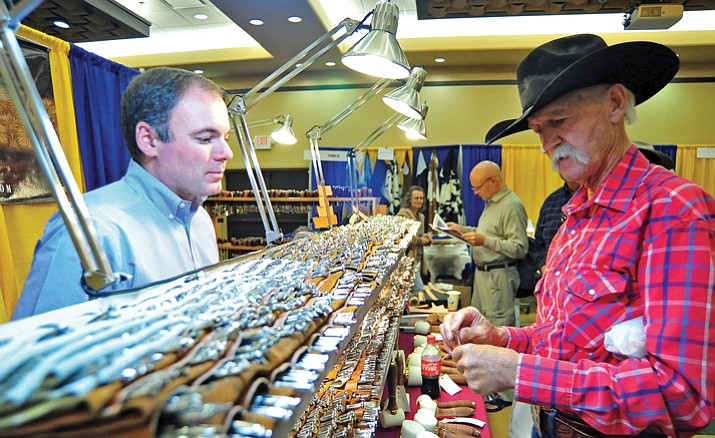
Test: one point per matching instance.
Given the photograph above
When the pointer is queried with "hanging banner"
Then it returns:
(21, 178)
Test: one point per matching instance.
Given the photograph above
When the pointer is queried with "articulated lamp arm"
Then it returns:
(97, 273)
(257, 93)
(316, 132)
(240, 105)
(393, 120)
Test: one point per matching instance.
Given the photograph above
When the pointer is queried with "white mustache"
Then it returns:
(567, 150)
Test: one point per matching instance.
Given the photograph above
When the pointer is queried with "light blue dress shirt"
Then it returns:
(147, 231)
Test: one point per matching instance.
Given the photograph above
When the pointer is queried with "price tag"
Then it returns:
(448, 384)
(386, 154)
(465, 420)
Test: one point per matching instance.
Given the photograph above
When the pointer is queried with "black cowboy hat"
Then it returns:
(570, 63)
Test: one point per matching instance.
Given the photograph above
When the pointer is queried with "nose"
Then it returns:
(225, 153)
(548, 140)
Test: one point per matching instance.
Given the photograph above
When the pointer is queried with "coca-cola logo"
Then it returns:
(432, 369)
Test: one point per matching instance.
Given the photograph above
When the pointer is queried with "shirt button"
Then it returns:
(592, 292)
(557, 273)
(573, 232)
(551, 318)
(182, 205)
(171, 216)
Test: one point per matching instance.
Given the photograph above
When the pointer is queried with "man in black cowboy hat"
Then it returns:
(624, 341)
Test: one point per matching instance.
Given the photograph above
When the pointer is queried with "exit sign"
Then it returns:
(262, 142)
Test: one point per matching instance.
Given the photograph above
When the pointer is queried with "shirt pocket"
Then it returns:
(594, 301)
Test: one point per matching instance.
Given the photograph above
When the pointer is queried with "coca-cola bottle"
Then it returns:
(431, 368)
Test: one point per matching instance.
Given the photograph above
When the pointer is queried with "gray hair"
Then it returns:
(151, 98)
(597, 91)
(407, 197)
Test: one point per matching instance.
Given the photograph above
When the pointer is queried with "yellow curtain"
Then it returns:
(21, 225)
(528, 172)
(701, 171)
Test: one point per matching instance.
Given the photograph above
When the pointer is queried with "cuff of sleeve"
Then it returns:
(544, 382)
(516, 340)
(489, 242)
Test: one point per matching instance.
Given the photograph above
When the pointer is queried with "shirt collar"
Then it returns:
(618, 188)
(165, 200)
(500, 195)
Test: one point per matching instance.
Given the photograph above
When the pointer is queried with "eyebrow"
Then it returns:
(205, 131)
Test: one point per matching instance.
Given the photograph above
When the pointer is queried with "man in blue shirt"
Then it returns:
(550, 219)
(150, 223)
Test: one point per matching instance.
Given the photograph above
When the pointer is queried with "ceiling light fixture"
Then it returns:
(256, 21)
(201, 16)
(295, 19)
(378, 53)
(440, 59)
(198, 71)
(330, 63)
(61, 24)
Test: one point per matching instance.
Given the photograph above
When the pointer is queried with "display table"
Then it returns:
(405, 343)
(446, 257)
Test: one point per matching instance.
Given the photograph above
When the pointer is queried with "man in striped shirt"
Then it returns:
(637, 247)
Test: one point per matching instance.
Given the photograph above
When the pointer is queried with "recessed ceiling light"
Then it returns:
(298, 65)
(201, 16)
(330, 63)
(61, 23)
(295, 19)
(256, 21)
(198, 71)
(440, 59)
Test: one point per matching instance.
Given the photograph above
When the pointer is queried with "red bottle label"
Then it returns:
(431, 368)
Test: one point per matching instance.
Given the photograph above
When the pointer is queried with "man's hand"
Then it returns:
(472, 327)
(426, 239)
(455, 226)
(475, 239)
(486, 369)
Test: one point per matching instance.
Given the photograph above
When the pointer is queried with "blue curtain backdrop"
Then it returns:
(670, 150)
(471, 155)
(97, 85)
(336, 176)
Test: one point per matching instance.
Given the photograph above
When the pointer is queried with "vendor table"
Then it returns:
(404, 342)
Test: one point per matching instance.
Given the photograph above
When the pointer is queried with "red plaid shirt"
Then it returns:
(642, 246)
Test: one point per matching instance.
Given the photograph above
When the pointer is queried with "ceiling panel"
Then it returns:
(422, 36)
(91, 20)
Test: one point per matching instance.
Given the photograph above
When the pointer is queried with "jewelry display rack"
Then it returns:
(294, 340)
(224, 206)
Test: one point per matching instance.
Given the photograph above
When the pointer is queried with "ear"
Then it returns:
(618, 98)
(146, 136)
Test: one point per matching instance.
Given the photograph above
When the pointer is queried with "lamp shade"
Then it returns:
(378, 53)
(284, 134)
(415, 129)
(406, 99)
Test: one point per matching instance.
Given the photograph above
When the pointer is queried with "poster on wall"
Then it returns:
(21, 178)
